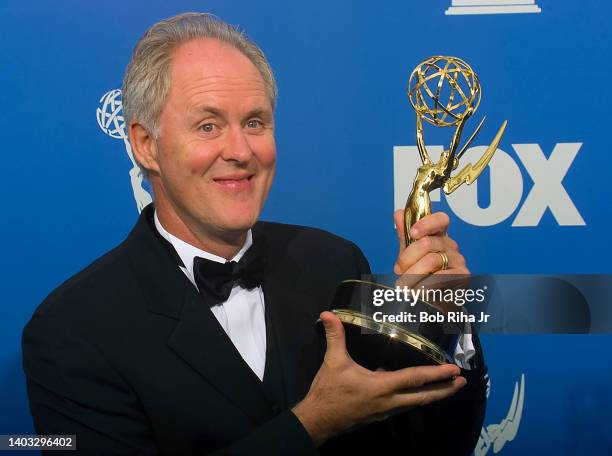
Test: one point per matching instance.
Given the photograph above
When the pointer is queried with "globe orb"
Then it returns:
(110, 115)
(443, 90)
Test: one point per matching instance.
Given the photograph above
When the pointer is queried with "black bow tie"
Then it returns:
(215, 280)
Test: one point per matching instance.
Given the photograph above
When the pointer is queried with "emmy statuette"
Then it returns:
(445, 92)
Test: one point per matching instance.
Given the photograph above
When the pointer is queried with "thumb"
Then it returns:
(398, 219)
(334, 334)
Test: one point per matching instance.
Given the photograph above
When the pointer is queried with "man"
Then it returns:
(163, 345)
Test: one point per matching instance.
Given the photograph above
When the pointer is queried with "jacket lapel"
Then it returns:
(203, 344)
(297, 346)
(293, 318)
(198, 338)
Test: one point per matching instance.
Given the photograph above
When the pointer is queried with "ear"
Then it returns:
(144, 147)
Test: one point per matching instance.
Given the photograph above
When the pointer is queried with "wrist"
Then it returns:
(314, 424)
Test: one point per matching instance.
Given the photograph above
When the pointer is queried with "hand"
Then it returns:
(345, 394)
(421, 258)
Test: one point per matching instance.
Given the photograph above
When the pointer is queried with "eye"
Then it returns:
(254, 123)
(207, 127)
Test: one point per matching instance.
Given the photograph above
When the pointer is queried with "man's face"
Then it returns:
(216, 152)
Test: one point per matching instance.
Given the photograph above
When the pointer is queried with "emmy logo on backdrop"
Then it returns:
(462, 7)
(495, 436)
(110, 119)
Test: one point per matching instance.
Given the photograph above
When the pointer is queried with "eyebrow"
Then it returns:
(209, 110)
(262, 112)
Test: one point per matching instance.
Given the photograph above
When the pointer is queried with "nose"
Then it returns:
(237, 147)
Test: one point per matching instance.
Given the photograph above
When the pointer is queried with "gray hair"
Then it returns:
(147, 77)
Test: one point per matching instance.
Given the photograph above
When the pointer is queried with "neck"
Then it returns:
(226, 244)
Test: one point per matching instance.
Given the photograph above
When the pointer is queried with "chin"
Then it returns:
(238, 223)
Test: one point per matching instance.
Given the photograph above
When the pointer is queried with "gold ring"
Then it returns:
(444, 257)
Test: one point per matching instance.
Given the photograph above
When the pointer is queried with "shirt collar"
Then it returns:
(188, 252)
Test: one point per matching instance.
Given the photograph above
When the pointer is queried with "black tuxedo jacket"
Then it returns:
(126, 356)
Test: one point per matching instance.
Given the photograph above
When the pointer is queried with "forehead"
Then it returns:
(209, 66)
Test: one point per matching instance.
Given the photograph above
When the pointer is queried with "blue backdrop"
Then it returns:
(345, 134)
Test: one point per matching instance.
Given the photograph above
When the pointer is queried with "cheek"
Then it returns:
(197, 158)
(265, 150)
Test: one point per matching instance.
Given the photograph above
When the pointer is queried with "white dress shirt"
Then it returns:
(465, 349)
(242, 316)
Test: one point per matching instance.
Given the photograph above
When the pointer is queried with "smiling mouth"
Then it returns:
(235, 183)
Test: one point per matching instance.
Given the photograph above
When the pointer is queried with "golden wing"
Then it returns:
(471, 172)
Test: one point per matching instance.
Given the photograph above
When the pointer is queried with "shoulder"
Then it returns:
(94, 284)
(310, 246)
(286, 236)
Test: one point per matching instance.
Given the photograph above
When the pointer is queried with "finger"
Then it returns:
(408, 281)
(428, 394)
(430, 244)
(432, 263)
(417, 251)
(436, 287)
(442, 280)
(334, 335)
(456, 263)
(398, 219)
(416, 377)
(436, 223)
(458, 271)
(378, 417)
